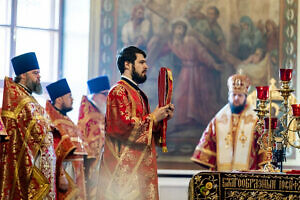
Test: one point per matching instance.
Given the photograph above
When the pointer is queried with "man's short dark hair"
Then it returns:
(17, 79)
(128, 54)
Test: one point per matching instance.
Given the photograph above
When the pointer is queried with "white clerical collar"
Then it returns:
(123, 76)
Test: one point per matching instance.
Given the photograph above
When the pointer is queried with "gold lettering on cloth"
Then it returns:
(249, 183)
(289, 185)
(229, 182)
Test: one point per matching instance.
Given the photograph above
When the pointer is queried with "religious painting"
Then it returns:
(203, 42)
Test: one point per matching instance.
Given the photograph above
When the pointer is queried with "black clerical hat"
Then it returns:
(24, 63)
(58, 89)
(98, 84)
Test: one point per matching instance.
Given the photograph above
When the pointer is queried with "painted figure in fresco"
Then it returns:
(28, 160)
(128, 168)
(193, 88)
(193, 12)
(91, 122)
(250, 38)
(57, 108)
(210, 27)
(206, 29)
(138, 30)
(230, 140)
(193, 68)
(271, 35)
(257, 67)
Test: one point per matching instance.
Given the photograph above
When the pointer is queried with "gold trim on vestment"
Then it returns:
(244, 127)
(202, 162)
(207, 151)
(28, 131)
(75, 190)
(108, 144)
(130, 139)
(89, 116)
(63, 121)
(44, 188)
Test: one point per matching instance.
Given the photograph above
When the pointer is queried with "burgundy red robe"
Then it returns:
(63, 149)
(65, 126)
(28, 161)
(91, 122)
(128, 168)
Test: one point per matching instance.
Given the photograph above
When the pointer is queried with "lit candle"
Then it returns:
(296, 110)
(273, 123)
(262, 92)
(286, 74)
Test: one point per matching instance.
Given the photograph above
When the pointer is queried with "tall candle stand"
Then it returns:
(270, 140)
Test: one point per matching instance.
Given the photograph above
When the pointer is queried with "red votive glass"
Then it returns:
(273, 122)
(262, 92)
(286, 74)
(296, 110)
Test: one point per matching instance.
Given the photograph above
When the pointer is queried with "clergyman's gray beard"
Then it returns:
(35, 87)
(38, 89)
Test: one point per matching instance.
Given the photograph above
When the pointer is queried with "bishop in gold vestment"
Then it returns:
(230, 141)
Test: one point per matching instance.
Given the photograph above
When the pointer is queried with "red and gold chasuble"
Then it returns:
(128, 168)
(64, 148)
(67, 128)
(230, 142)
(27, 169)
(91, 122)
(3, 134)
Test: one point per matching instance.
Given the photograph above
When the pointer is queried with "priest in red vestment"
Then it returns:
(128, 167)
(91, 122)
(230, 140)
(61, 103)
(28, 161)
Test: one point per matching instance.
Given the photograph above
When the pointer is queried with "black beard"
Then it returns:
(136, 77)
(237, 109)
(66, 109)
